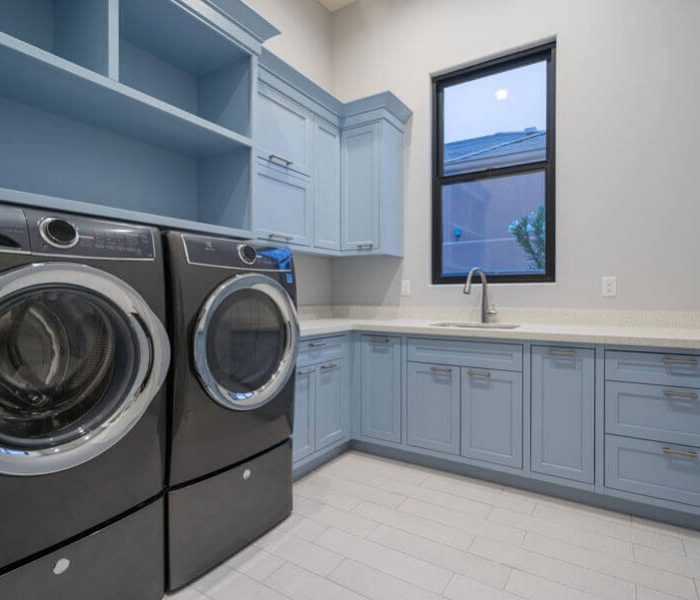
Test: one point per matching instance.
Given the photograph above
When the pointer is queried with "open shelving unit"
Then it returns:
(137, 110)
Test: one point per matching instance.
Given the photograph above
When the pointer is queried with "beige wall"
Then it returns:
(305, 41)
(628, 140)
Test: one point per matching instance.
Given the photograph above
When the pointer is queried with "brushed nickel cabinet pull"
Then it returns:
(680, 453)
(279, 236)
(479, 373)
(379, 340)
(305, 371)
(280, 159)
(317, 344)
(680, 362)
(443, 370)
(361, 245)
(329, 367)
(678, 394)
(559, 352)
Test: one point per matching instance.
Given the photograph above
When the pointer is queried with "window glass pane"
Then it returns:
(497, 224)
(496, 120)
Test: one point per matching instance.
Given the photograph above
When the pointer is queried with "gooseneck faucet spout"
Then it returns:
(486, 312)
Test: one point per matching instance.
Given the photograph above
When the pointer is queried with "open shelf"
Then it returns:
(167, 53)
(77, 30)
(43, 80)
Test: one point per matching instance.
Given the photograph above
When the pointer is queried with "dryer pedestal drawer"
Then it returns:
(123, 560)
(211, 520)
(652, 412)
(656, 469)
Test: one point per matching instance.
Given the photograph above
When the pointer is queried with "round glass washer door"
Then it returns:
(81, 357)
(245, 341)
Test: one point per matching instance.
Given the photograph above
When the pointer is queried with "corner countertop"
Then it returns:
(657, 337)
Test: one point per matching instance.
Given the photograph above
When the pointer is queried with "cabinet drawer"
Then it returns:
(646, 367)
(321, 350)
(487, 355)
(284, 205)
(653, 469)
(661, 413)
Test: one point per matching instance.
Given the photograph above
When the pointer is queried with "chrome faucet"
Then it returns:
(486, 312)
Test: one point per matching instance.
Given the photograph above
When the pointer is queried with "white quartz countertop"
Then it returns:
(658, 337)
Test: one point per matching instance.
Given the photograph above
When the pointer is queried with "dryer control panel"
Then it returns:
(232, 254)
(61, 234)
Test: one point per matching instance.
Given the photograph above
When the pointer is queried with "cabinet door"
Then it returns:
(380, 404)
(492, 416)
(283, 130)
(332, 417)
(326, 186)
(304, 431)
(563, 395)
(284, 206)
(360, 188)
(432, 407)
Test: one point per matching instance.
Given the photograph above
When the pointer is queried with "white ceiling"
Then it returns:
(334, 5)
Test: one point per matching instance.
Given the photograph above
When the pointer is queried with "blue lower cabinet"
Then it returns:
(332, 409)
(563, 399)
(380, 387)
(432, 407)
(492, 416)
(304, 417)
(657, 469)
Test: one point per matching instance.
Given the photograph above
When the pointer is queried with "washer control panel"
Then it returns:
(59, 234)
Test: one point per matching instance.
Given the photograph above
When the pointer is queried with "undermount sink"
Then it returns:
(468, 325)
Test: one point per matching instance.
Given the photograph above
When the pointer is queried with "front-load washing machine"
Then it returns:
(235, 334)
(83, 357)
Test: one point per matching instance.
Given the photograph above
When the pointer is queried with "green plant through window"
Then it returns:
(529, 233)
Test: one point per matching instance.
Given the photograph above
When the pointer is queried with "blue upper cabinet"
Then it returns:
(352, 154)
(563, 399)
(326, 191)
(360, 187)
(283, 131)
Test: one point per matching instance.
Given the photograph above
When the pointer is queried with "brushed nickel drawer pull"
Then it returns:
(562, 353)
(681, 453)
(379, 340)
(305, 371)
(681, 362)
(443, 370)
(329, 367)
(361, 245)
(317, 344)
(479, 373)
(280, 159)
(279, 236)
(677, 394)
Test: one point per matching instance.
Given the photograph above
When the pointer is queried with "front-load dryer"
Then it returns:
(235, 335)
(83, 357)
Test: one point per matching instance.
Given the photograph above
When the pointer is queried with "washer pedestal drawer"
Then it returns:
(212, 519)
(123, 560)
(656, 469)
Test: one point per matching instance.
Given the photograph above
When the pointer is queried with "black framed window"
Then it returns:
(493, 169)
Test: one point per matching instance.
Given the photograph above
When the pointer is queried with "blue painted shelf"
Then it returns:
(38, 78)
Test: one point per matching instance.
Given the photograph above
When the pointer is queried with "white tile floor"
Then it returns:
(366, 528)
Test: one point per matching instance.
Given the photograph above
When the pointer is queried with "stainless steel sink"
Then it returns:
(468, 325)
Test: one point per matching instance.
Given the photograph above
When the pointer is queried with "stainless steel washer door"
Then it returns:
(81, 357)
(245, 341)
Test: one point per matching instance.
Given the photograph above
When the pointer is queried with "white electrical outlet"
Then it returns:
(609, 287)
(406, 287)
